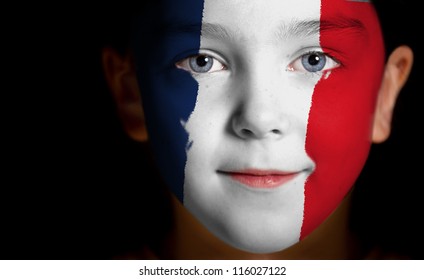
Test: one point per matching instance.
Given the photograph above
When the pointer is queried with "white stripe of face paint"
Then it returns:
(252, 115)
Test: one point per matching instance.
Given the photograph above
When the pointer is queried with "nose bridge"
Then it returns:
(261, 112)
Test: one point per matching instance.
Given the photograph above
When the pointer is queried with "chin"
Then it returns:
(260, 241)
(260, 234)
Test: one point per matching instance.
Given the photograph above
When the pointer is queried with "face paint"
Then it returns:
(339, 127)
(163, 36)
(260, 116)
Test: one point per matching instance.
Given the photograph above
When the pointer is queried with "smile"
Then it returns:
(261, 179)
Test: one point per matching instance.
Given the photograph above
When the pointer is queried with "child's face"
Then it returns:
(260, 112)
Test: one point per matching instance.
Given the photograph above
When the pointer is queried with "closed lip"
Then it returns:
(260, 178)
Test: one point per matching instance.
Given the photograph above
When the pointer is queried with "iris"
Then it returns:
(201, 63)
(314, 62)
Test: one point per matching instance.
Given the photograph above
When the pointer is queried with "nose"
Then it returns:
(260, 113)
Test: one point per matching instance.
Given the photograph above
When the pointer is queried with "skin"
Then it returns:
(261, 118)
(264, 150)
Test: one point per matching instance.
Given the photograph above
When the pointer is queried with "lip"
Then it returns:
(261, 179)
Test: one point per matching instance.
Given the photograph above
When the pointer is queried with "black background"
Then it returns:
(74, 187)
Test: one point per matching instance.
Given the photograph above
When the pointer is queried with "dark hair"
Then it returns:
(386, 199)
(397, 20)
(76, 177)
(375, 192)
(113, 25)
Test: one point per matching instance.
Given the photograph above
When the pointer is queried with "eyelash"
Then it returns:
(325, 61)
(211, 64)
(188, 64)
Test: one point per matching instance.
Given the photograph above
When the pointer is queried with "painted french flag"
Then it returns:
(225, 138)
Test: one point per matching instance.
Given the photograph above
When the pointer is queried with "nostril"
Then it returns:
(276, 131)
(255, 126)
(246, 132)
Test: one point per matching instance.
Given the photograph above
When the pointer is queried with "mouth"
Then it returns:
(260, 179)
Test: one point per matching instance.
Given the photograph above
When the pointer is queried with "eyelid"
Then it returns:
(311, 50)
(213, 54)
(206, 52)
(304, 51)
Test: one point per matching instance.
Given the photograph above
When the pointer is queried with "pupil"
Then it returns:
(313, 59)
(202, 60)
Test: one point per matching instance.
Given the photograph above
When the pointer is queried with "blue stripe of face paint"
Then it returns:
(167, 34)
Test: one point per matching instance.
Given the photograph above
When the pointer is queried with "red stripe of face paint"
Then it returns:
(340, 119)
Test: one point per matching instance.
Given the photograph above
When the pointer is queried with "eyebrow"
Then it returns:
(295, 28)
(314, 27)
(220, 32)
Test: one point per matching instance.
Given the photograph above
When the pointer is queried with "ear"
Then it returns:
(121, 78)
(396, 74)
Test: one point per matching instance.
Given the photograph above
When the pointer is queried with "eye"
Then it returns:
(312, 62)
(201, 63)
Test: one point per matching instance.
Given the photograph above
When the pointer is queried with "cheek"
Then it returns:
(185, 124)
(340, 120)
(169, 94)
(168, 105)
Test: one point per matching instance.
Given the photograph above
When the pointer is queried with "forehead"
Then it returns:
(254, 19)
(175, 11)
(183, 21)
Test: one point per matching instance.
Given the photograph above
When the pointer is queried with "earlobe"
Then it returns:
(122, 82)
(396, 73)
